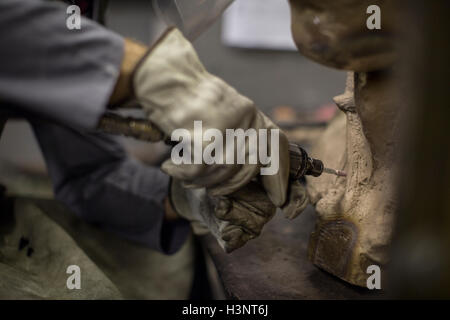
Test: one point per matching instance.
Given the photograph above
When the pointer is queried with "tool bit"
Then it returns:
(338, 173)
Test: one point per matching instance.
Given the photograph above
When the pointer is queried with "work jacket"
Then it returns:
(60, 80)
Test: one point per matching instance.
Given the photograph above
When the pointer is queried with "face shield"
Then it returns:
(192, 17)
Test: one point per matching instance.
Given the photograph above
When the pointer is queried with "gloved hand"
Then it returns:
(234, 219)
(297, 200)
(175, 90)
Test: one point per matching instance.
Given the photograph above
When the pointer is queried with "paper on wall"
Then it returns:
(260, 24)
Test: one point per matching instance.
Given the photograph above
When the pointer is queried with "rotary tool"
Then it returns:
(301, 164)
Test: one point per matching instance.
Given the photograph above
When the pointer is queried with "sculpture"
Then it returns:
(355, 214)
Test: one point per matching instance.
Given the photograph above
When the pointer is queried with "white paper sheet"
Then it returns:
(263, 24)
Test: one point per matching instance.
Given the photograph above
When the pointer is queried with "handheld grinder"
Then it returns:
(301, 164)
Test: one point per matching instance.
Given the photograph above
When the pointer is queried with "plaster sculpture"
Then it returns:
(356, 213)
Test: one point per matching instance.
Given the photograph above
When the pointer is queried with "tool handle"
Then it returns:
(140, 129)
(300, 163)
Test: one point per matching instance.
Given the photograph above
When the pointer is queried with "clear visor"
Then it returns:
(192, 17)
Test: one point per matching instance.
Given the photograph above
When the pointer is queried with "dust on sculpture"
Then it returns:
(355, 214)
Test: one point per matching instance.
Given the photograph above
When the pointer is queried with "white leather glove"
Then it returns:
(175, 90)
(232, 220)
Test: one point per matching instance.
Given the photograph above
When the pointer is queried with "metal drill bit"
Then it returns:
(338, 173)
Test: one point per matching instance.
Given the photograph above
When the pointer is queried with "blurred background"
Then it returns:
(261, 63)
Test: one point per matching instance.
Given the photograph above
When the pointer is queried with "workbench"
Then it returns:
(275, 266)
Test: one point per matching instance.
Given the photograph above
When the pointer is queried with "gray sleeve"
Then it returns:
(53, 72)
(94, 177)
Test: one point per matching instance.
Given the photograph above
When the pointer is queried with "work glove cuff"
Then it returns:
(185, 205)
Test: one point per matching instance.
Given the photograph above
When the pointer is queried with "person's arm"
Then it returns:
(47, 70)
(93, 176)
